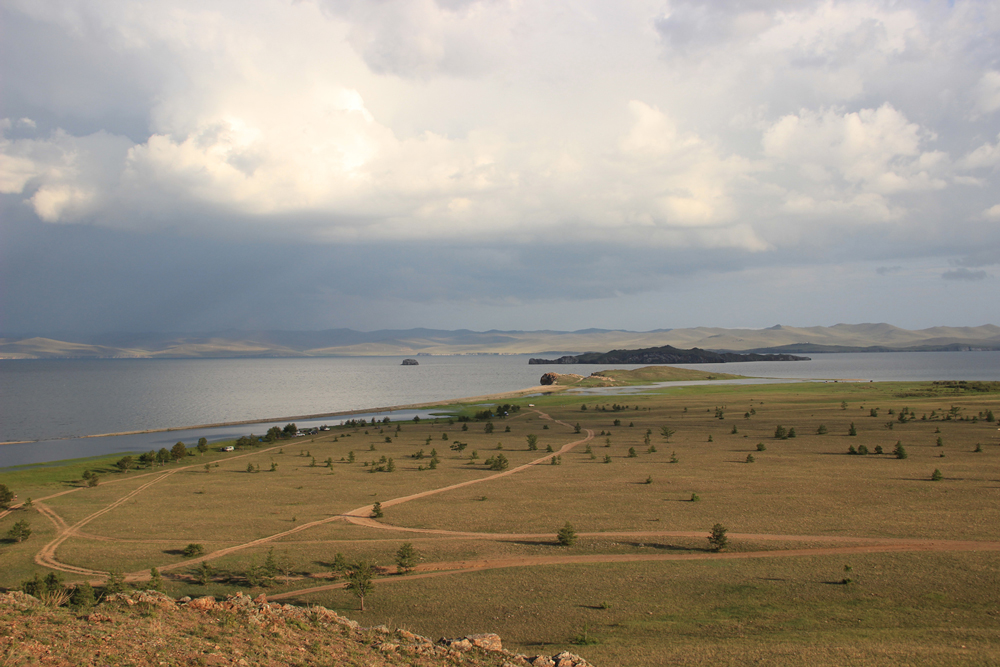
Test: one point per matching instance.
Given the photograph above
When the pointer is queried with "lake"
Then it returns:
(53, 402)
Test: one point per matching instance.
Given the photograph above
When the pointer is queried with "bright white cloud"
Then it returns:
(686, 124)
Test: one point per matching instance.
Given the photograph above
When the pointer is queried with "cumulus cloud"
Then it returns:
(710, 132)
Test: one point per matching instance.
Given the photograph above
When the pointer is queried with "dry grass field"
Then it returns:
(640, 585)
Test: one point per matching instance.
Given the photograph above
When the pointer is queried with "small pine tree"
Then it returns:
(566, 535)
(899, 451)
(761, 447)
(673, 457)
(20, 531)
(607, 458)
(377, 511)
(979, 448)
(780, 433)
(631, 453)
(940, 442)
(791, 432)
(750, 458)
(406, 558)
(155, 580)
(193, 550)
(82, 597)
(821, 430)
(852, 430)
(879, 450)
(862, 450)
(695, 497)
(936, 476)
(718, 540)
(851, 450)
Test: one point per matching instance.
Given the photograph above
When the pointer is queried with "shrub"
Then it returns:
(780, 433)
(862, 450)
(852, 430)
(19, 532)
(761, 447)
(750, 458)
(791, 432)
(936, 476)
(377, 511)
(899, 451)
(566, 535)
(821, 430)
(695, 497)
(193, 550)
(607, 458)
(631, 453)
(718, 540)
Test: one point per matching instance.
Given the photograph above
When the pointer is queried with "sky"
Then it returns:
(195, 166)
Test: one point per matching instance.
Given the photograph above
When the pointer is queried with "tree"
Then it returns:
(339, 564)
(718, 540)
(290, 430)
(406, 558)
(115, 583)
(532, 442)
(821, 430)
(124, 463)
(203, 574)
(270, 569)
(376, 514)
(82, 597)
(631, 453)
(499, 462)
(20, 531)
(936, 476)
(163, 455)
(179, 451)
(780, 432)
(566, 535)
(488, 428)
(359, 580)
(193, 550)
(666, 432)
(202, 445)
(6, 497)
(576, 428)
(155, 580)
(852, 430)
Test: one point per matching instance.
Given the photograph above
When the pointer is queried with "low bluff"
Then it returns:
(151, 628)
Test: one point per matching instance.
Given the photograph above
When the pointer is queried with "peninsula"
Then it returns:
(666, 354)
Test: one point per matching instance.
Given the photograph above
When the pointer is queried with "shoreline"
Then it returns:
(547, 389)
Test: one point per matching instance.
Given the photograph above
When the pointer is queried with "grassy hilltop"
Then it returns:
(832, 558)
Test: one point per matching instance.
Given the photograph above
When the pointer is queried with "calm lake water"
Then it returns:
(53, 402)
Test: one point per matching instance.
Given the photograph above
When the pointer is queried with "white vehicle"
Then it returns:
(228, 448)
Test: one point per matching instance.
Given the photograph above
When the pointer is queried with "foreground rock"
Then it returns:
(666, 354)
(150, 628)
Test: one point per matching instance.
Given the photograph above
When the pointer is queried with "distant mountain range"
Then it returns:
(410, 342)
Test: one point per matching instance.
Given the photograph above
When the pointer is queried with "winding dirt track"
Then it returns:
(362, 517)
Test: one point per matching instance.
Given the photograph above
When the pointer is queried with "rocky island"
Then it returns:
(410, 362)
(667, 354)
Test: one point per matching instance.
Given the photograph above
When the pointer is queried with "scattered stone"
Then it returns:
(487, 641)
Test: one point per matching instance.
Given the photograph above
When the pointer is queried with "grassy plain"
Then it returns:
(640, 581)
